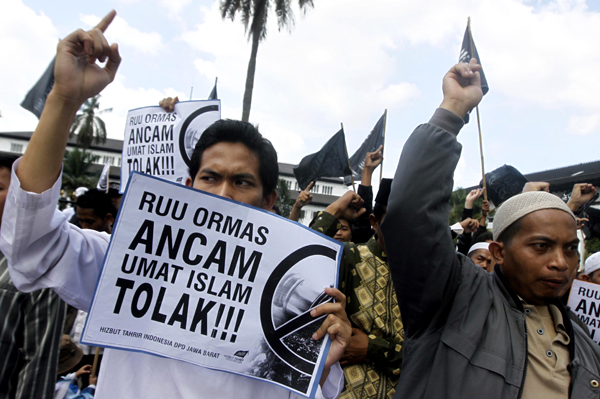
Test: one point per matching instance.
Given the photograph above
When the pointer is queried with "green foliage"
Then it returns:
(254, 14)
(285, 202)
(592, 246)
(88, 127)
(457, 203)
(76, 173)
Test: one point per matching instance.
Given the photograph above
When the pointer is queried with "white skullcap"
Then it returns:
(80, 191)
(479, 245)
(592, 263)
(523, 204)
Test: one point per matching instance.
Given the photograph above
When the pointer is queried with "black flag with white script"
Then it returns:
(503, 183)
(330, 161)
(466, 55)
(373, 141)
(36, 98)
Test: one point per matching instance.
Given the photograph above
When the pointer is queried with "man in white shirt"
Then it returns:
(43, 250)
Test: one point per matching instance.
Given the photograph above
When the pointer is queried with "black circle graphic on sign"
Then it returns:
(183, 132)
(274, 335)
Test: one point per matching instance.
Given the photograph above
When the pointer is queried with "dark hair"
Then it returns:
(276, 209)
(509, 233)
(97, 200)
(7, 160)
(379, 210)
(231, 131)
(483, 237)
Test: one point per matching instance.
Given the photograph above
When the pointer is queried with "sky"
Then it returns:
(342, 62)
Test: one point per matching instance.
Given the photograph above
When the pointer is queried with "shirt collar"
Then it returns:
(557, 319)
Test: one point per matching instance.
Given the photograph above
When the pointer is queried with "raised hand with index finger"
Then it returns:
(305, 197)
(77, 76)
(374, 159)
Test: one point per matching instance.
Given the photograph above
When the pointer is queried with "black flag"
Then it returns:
(466, 54)
(373, 141)
(330, 161)
(36, 98)
(503, 183)
(213, 93)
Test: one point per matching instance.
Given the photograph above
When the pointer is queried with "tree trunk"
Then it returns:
(250, 77)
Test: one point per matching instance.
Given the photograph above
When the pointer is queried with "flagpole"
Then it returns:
(350, 166)
(95, 365)
(383, 144)
(192, 88)
(485, 197)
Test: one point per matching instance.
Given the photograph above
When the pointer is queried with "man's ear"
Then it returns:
(270, 200)
(189, 182)
(109, 219)
(584, 277)
(497, 250)
(374, 222)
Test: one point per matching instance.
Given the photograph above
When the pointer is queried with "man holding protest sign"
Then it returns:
(44, 251)
(469, 333)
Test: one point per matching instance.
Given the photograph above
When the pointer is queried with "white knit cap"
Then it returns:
(479, 245)
(80, 191)
(592, 263)
(523, 204)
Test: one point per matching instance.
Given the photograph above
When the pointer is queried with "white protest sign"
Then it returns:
(160, 143)
(207, 280)
(584, 300)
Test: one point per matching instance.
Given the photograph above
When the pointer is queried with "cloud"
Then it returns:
(304, 85)
(28, 44)
(174, 7)
(547, 55)
(120, 31)
(206, 68)
(399, 93)
(122, 98)
(346, 62)
(583, 125)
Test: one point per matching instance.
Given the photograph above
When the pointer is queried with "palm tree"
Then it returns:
(254, 15)
(88, 127)
(285, 202)
(75, 170)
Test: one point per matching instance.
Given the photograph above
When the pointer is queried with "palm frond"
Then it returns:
(259, 20)
(285, 15)
(100, 136)
(305, 5)
(88, 127)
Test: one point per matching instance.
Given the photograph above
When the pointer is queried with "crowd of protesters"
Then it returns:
(423, 309)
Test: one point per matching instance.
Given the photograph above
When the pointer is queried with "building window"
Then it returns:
(327, 190)
(302, 214)
(296, 186)
(106, 159)
(18, 148)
